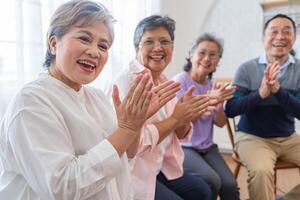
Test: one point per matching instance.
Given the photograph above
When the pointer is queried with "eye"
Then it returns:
(212, 55)
(103, 47)
(274, 32)
(202, 53)
(165, 42)
(287, 32)
(148, 42)
(84, 39)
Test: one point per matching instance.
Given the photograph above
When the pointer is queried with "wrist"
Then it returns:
(175, 121)
(275, 89)
(262, 93)
(128, 130)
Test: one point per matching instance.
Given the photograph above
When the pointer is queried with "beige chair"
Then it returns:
(231, 128)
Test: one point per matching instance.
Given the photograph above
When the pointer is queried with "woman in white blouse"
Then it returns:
(61, 139)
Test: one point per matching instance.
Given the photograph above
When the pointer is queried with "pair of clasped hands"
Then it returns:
(270, 83)
(144, 98)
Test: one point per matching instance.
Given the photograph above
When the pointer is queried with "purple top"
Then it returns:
(202, 137)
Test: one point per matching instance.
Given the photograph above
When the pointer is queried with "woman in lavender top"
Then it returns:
(202, 156)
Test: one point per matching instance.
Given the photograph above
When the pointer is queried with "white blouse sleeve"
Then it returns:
(45, 156)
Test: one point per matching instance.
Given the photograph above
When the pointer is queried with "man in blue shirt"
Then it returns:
(268, 100)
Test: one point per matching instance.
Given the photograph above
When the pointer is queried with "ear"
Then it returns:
(52, 41)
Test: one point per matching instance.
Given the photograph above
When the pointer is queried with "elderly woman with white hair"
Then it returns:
(61, 139)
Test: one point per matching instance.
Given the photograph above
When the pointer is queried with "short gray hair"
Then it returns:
(150, 23)
(210, 38)
(77, 13)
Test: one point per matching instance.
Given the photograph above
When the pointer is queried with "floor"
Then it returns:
(286, 179)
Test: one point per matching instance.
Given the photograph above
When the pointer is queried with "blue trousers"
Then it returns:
(187, 187)
(209, 165)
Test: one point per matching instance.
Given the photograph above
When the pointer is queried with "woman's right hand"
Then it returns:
(131, 112)
(190, 107)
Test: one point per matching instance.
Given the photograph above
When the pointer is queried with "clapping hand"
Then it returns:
(270, 83)
(190, 107)
(220, 92)
(131, 111)
(161, 95)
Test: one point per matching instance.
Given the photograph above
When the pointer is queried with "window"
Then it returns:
(22, 40)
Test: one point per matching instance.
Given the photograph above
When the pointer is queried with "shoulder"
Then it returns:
(246, 71)
(250, 64)
(180, 77)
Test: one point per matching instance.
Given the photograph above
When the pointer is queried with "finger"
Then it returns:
(224, 86)
(165, 100)
(227, 97)
(275, 74)
(116, 96)
(146, 103)
(274, 67)
(138, 91)
(165, 86)
(190, 90)
(144, 95)
(133, 86)
(171, 89)
(199, 101)
(203, 110)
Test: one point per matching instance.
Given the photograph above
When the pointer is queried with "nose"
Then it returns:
(157, 45)
(206, 57)
(93, 51)
(280, 35)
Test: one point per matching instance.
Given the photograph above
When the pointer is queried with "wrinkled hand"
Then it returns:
(264, 89)
(220, 93)
(191, 109)
(270, 83)
(161, 95)
(273, 81)
(131, 111)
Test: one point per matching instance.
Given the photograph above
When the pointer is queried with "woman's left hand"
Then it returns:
(131, 111)
(220, 92)
(161, 95)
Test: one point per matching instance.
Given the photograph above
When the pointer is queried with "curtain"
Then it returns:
(23, 35)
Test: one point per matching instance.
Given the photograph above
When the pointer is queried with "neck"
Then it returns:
(155, 78)
(280, 59)
(59, 76)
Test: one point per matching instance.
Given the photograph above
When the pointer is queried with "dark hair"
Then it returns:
(202, 38)
(150, 23)
(279, 16)
(76, 13)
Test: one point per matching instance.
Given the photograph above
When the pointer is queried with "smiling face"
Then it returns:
(80, 54)
(155, 50)
(279, 38)
(204, 60)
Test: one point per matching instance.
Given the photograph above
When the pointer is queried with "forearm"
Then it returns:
(122, 140)
(241, 104)
(289, 103)
(165, 127)
(133, 148)
(220, 118)
(182, 131)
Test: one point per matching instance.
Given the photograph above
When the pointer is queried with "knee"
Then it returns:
(261, 171)
(230, 186)
(214, 181)
(205, 192)
(202, 190)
